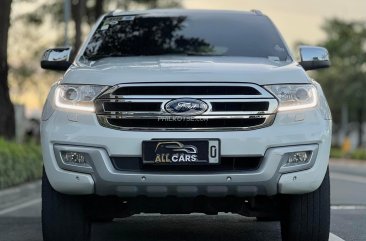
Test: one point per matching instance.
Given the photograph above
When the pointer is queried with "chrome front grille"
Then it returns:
(142, 107)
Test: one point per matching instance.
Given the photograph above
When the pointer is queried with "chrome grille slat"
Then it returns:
(263, 94)
(168, 97)
(225, 112)
(186, 90)
(184, 127)
(208, 117)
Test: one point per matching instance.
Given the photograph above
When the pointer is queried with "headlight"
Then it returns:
(77, 97)
(294, 97)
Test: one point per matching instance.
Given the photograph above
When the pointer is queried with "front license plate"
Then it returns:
(181, 152)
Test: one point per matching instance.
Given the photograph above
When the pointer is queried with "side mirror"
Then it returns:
(313, 57)
(56, 59)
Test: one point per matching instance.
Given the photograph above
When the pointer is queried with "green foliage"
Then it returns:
(358, 154)
(19, 163)
(345, 81)
(336, 153)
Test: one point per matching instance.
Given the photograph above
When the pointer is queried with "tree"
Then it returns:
(78, 14)
(89, 10)
(345, 82)
(7, 119)
(99, 8)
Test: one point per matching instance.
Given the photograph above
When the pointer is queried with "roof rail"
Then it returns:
(256, 11)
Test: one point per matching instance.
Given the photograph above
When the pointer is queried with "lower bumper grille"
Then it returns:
(227, 164)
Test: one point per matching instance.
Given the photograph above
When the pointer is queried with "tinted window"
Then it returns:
(215, 34)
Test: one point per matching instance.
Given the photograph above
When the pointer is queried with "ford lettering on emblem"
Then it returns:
(189, 107)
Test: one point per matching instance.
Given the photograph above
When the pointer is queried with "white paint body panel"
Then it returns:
(112, 71)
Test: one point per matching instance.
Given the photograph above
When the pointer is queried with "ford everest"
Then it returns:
(185, 111)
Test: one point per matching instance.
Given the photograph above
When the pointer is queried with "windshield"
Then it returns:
(203, 35)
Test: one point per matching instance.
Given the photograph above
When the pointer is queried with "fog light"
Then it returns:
(295, 161)
(74, 158)
(298, 157)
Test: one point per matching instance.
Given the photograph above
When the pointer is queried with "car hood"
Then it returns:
(112, 71)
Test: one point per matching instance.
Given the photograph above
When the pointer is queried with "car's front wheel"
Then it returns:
(306, 217)
(64, 217)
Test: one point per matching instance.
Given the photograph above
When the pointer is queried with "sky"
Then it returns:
(297, 20)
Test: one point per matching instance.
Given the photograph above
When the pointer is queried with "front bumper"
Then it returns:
(290, 132)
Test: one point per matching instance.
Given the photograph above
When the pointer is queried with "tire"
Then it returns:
(306, 217)
(64, 217)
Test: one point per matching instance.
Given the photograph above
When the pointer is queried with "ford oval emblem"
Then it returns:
(186, 107)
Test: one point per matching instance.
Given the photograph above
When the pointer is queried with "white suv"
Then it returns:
(182, 111)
